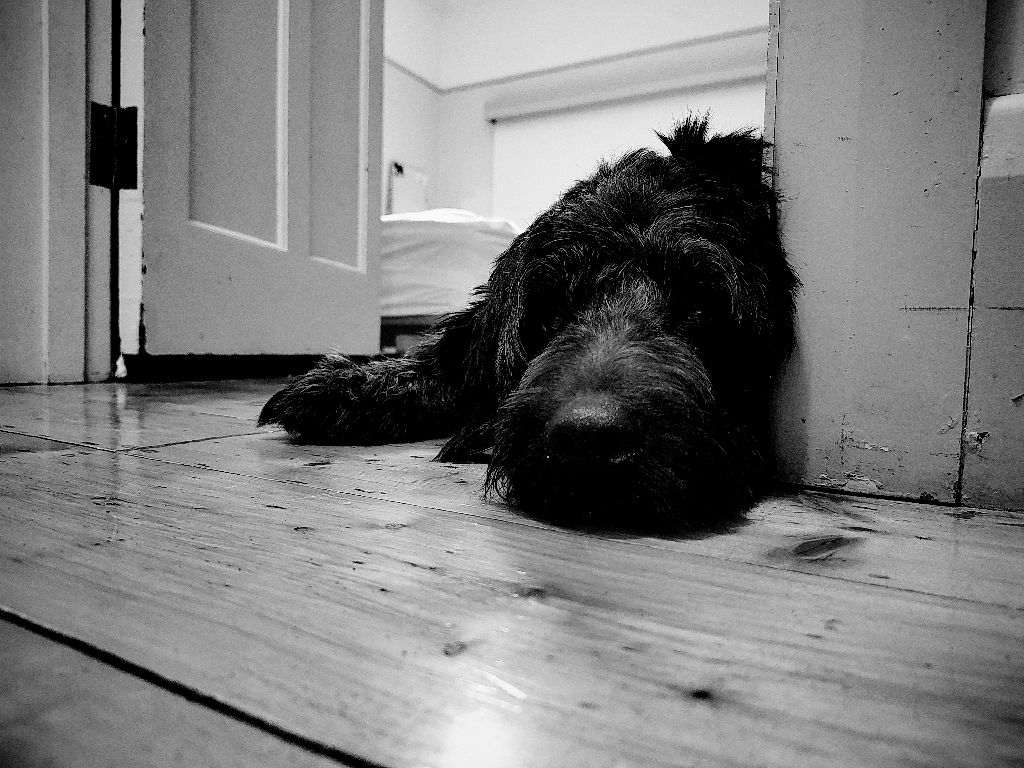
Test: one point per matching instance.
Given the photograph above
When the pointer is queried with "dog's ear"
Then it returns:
(693, 145)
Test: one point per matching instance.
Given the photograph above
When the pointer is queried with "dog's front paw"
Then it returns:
(370, 403)
(320, 405)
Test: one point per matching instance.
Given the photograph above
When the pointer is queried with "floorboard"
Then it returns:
(132, 415)
(941, 550)
(369, 600)
(63, 707)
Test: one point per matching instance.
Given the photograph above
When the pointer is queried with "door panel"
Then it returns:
(262, 215)
(238, 135)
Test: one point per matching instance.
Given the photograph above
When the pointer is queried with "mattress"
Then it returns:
(432, 260)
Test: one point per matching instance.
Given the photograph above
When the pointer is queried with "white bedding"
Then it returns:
(432, 260)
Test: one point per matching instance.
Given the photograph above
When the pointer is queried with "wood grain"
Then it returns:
(61, 707)
(117, 416)
(941, 550)
(370, 600)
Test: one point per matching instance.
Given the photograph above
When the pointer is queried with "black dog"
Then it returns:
(619, 362)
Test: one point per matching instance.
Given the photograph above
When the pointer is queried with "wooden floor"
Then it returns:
(180, 588)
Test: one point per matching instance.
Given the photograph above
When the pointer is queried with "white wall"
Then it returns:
(465, 152)
(491, 52)
(483, 40)
(411, 118)
(535, 160)
(413, 37)
(412, 100)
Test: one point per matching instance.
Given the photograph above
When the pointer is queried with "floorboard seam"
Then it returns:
(77, 444)
(187, 692)
(130, 448)
(124, 448)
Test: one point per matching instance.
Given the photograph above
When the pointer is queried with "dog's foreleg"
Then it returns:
(340, 401)
(429, 393)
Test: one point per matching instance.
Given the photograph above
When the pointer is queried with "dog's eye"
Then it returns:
(552, 325)
(538, 333)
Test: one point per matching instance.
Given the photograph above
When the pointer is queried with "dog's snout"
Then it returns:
(588, 429)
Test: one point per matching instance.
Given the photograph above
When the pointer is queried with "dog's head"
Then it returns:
(640, 322)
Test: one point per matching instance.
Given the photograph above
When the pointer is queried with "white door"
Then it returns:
(262, 176)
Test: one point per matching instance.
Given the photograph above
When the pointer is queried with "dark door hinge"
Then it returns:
(113, 146)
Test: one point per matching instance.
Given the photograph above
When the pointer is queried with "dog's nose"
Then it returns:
(590, 428)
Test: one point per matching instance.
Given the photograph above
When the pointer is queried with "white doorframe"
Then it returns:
(98, 286)
(42, 199)
(130, 213)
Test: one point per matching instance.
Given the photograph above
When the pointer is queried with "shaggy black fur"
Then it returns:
(620, 360)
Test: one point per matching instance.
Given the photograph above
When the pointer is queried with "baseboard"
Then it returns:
(153, 368)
